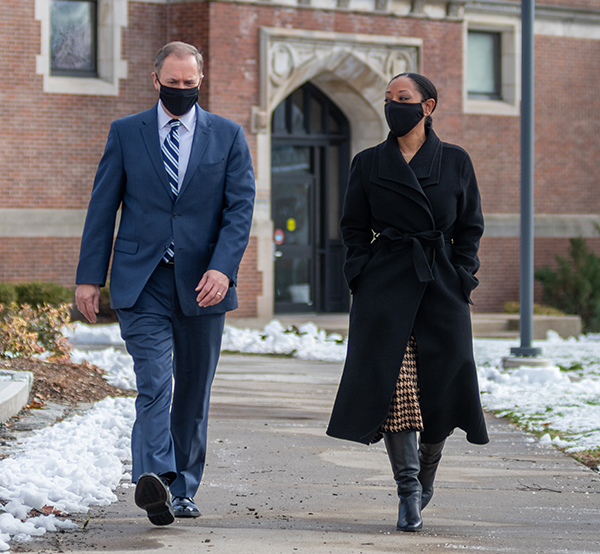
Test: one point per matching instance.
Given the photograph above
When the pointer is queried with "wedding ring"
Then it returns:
(218, 294)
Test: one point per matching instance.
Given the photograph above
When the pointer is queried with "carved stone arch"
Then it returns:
(354, 87)
(351, 69)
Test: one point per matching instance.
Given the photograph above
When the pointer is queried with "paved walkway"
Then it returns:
(275, 483)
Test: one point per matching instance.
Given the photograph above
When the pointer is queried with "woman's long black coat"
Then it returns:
(415, 277)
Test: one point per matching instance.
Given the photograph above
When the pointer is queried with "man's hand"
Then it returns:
(212, 288)
(87, 298)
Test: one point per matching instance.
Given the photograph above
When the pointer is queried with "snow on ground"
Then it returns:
(78, 463)
(563, 398)
(75, 464)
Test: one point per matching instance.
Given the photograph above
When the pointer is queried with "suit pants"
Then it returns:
(175, 357)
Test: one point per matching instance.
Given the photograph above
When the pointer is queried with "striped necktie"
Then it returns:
(170, 153)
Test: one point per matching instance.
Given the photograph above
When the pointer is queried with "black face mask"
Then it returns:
(402, 118)
(178, 101)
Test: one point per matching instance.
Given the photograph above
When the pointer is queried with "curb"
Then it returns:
(15, 387)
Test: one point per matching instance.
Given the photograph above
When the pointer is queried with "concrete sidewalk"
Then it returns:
(275, 483)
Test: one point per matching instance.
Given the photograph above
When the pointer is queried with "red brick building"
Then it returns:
(305, 78)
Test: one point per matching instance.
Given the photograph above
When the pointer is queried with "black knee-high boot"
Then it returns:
(404, 456)
(429, 456)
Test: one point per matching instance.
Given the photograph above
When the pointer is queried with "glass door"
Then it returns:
(292, 198)
(309, 169)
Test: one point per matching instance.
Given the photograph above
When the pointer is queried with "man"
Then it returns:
(184, 182)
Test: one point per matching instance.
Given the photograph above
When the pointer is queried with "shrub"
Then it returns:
(575, 286)
(26, 331)
(38, 293)
(8, 294)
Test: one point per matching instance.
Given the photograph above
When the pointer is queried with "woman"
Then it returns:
(411, 225)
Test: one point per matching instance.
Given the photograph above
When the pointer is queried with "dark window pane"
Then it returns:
(278, 124)
(297, 108)
(292, 281)
(332, 124)
(316, 116)
(72, 36)
(285, 159)
(483, 64)
(333, 193)
(291, 211)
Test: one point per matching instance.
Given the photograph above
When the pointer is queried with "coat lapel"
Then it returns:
(149, 130)
(391, 168)
(427, 162)
(201, 138)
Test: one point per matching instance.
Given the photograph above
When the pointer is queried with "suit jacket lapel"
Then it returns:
(201, 138)
(149, 130)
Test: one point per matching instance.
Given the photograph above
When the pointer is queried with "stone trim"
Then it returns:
(545, 225)
(15, 222)
(290, 57)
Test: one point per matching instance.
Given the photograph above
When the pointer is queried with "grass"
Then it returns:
(589, 458)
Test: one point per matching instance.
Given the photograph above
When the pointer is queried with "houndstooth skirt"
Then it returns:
(405, 411)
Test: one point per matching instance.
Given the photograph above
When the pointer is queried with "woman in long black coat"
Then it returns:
(412, 223)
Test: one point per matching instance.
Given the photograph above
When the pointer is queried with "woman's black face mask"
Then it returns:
(178, 101)
(402, 117)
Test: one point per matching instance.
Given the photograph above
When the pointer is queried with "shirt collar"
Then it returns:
(188, 120)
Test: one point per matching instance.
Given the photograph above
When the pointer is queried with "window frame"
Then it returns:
(509, 30)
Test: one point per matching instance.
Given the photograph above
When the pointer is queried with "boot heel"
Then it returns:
(409, 513)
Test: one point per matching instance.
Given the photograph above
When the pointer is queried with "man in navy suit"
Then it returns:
(183, 180)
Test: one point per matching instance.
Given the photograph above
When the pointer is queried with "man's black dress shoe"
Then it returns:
(185, 507)
(153, 495)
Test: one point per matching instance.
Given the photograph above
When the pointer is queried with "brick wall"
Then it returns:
(249, 284)
(59, 138)
(54, 141)
(50, 259)
(500, 266)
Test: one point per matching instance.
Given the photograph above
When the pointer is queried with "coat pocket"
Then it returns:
(211, 167)
(353, 269)
(126, 246)
(469, 282)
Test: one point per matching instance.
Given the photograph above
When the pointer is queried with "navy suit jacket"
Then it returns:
(209, 220)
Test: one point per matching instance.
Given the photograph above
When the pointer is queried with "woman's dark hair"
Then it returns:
(425, 87)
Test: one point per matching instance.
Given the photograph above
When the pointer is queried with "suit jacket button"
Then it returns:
(175, 215)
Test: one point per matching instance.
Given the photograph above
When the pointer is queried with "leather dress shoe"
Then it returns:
(185, 507)
(153, 495)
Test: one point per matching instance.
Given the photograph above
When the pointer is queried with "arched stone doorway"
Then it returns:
(352, 70)
(310, 156)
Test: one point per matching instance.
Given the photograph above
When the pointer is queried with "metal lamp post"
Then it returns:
(527, 156)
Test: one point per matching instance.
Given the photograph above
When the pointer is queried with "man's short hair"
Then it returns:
(181, 50)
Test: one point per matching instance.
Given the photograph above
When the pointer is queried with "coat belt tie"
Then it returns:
(431, 239)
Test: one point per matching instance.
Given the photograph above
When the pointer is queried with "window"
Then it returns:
(73, 38)
(491, 68)
(81, 38)
(484, 65)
